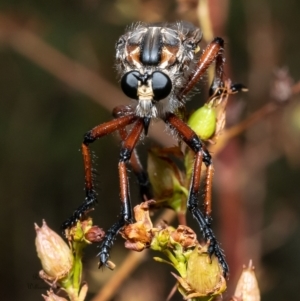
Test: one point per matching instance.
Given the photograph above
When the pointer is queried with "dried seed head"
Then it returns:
(84, 232)
(94, 234)
(139, 235)
(185, 236)
(247, 287)
(55, 255)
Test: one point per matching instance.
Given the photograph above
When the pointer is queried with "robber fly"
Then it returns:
(158, 66)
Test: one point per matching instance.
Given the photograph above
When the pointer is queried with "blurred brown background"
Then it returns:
(57, 80)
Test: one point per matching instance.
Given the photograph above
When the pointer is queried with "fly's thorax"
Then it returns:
(160, 46)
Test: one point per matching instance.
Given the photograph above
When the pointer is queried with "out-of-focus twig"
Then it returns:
(254, 118)
(204, 19)
(296, 88)
(80, 78)
(238, 129)
(203, 14)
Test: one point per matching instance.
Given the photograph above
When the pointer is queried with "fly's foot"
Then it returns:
(214, 248)
(107, 244)
(103, 258)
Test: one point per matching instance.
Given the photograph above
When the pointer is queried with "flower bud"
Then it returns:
(55, 255)
(203, 121)
(247, 287)
(161, 239)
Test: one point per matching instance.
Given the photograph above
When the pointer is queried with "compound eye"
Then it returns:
(129, 84)
(161, 85)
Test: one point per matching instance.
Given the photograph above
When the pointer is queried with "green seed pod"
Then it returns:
(203, 122)
(204, 274)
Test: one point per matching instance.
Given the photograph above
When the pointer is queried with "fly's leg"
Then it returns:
(135, 163)
(128, 146)
(96, 133)
(201, 155)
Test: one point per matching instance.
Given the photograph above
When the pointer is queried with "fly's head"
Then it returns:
(155, 62)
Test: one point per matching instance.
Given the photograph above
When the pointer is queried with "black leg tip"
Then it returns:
(103, 258)
(215, 249)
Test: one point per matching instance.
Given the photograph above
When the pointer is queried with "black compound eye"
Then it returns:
(161, 85)
(129, 84)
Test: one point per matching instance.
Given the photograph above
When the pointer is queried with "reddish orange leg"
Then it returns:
(213, 52)
(208, 189)
(135, 163)
(126, 211)
(90, 137)
(201, 155)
